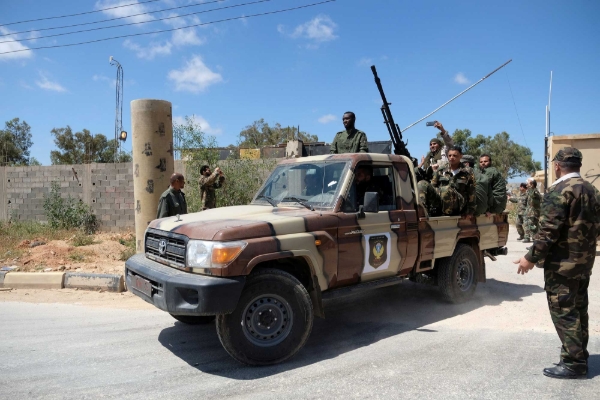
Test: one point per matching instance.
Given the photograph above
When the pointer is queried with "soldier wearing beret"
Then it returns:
(350, 140)
(438, 153)
(565, 246)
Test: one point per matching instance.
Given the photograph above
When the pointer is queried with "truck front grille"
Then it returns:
(166, 247)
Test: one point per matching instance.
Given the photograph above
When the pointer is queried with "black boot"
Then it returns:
(562, 372)
(520, 238)
(526, 240)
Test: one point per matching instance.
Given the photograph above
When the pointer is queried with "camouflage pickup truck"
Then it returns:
(310, 233)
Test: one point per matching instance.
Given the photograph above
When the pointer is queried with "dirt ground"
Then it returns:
(102, 256)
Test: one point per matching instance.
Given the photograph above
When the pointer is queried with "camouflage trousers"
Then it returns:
(568, 304)
(444, 200)
(530, 226)
(519, 224)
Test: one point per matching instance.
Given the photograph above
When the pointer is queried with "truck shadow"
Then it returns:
(351, 323)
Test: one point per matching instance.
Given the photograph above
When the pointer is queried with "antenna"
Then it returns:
(546, 155)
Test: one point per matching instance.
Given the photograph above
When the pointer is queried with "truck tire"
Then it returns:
(457, 274)
(271, 322)
(194, 319)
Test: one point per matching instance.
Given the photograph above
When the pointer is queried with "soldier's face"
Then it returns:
(434, 146)
(207, 172)
(454, 157)
(362, 175)
(484, 162)
(348, 121)
(522, 189)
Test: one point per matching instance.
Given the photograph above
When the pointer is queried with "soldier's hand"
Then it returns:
(422, 161)
(218, 170)
(468, 216)
(488, 214)
(439, 126)
(524, 265)
(435, 167)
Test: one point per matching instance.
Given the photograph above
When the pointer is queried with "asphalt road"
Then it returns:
(396, 342)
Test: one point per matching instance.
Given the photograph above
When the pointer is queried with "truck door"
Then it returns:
(368, 246)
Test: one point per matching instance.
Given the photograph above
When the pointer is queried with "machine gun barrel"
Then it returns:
(388, 119)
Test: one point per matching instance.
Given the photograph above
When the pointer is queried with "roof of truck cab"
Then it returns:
(354, 157)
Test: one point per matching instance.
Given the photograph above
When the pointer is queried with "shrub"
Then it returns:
(68, 213)
(82, 240)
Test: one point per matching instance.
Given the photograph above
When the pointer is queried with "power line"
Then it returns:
(112, 19)
(170, 30)
(519, 118)
(83, 13)
(137, 23)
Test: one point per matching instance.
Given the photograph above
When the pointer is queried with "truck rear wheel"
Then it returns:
(194, 319)
(457, 275)
(271, 322)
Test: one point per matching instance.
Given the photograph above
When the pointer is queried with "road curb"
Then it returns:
(34, 280)
(85, 281)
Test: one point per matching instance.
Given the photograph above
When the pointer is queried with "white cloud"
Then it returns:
(47, 84)
(187, 37)
(194, 77)
(325, 119)
(198, 119)
(281, 29)
(101, 78)
(150, 51)
(12, 44)
(461, 79)
(319, 29)
(365, 62)
(136, 8)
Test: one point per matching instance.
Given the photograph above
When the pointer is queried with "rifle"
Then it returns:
(388, 119)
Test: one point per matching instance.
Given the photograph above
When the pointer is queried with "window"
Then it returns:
(371, 178)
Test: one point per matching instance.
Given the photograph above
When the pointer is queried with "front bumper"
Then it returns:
(183, 293)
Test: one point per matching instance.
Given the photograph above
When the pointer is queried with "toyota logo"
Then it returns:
(162, 247)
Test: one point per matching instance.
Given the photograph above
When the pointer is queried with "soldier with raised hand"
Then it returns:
(566, 247)
(208, 182)
(350, 140)
(497, 182)
(531, 217)
(438, 153)
(172, 201)
(521, 201)
(452, 188)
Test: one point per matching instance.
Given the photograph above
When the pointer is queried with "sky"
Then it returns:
(307, 66)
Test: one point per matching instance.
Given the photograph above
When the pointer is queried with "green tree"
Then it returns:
(260, 134)
(15, 141)
(510, 158)
(84, 148)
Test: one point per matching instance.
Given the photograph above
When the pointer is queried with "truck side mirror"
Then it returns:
(371, 203)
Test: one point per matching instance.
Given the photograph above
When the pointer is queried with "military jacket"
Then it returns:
(208, 184)
(534, 200)
(463, 182)
(171, 203)
(521, 201)
(483, 193)
(353, 142)
(498, 185)
(568, 230)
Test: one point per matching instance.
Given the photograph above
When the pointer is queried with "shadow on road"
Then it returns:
(351, 323)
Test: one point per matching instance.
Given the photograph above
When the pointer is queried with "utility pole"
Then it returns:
(120, 134)
(546, 155)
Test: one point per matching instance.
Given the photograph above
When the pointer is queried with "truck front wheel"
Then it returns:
(457, 275)
(271, 322)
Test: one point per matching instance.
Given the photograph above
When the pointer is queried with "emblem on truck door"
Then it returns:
(162, 247)
(378, 253)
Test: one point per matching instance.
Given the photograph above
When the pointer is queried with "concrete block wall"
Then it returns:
(106, 188)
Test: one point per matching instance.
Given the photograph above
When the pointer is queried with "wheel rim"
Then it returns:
(267, 320)
(464, 275)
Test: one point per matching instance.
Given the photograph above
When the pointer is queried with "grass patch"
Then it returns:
(77, 256)
(13, 232)
(130, 248)
(83, 240)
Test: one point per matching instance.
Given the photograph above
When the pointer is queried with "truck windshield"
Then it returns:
(316, 184)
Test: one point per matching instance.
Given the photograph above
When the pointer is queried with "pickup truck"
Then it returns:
(309, 234)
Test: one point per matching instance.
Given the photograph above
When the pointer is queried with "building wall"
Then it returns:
(589, 145)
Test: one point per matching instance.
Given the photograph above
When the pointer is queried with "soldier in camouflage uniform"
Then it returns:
(172, 201)
(566, 247)
(531, 218)
(350, 140)
(452, 188)
(521, 201)
(437, 155)
(208, 182)
(498, 183)
(483, 187)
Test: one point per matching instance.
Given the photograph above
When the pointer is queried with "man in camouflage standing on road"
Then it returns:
(531, 218)
(452, 188)
(566, 247)
(208, 183)
(521, 201)
(350, 140)
(172, 201)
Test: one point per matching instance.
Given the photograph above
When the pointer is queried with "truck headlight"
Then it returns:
(206, 254)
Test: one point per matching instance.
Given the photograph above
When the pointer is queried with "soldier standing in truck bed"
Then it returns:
(208, 182)
(521, 201)
(452, 188)
(438, 153)
(566, 246)
(350, 140)
(531, 218)
(172, 201)
(497, 182)
(483, 188)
